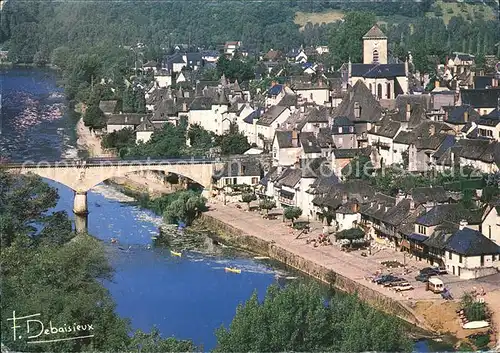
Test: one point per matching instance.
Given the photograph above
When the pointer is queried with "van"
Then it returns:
(435, 285)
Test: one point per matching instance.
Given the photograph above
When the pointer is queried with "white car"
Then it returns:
(403, 287)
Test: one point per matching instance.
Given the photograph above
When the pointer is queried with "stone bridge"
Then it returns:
(83, 175)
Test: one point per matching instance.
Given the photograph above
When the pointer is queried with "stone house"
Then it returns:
(116, 122)
(269, 122)
(343, 133)
(238, 172)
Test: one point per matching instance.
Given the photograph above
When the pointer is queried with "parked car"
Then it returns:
(422, 277)
(440, 270)
(394, 282)
(384, 279)
(403, 287)
(429, 271)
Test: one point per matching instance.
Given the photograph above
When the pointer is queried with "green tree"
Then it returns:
(200, 139)
(351, 234)
(248, 197)
(267, 204)
(94, 117)
(124, 138)
(233, 142)
(297, 318)
(292, 213)
(186, 208)
(168, 142)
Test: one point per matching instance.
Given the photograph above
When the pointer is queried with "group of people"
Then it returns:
(322, 239)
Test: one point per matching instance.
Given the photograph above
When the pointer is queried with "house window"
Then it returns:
(375, 56)
(460, 258)
(482, 260)
(450, 255)
(493, 257)
(489, 232)
(255, 180)
(422, 229)
(340, 130)
(235, 181)
(227, 181)
(379, 91)
(388, 90)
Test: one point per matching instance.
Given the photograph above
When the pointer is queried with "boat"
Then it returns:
(261, 257)
(175, 253)
(289, 277)
(233, 270)
(476, 324)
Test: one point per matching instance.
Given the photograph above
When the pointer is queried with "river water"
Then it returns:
(187, 297)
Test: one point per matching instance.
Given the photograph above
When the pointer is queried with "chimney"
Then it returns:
(184, 107)
(355, 207)
(463, 224)
(344, 198)
(387, 208)
(466, 116)
(357, 110)
(379, 206)
(408, 111)
(302, 109)
(126, 118)
(400, 196)
(412, 205)
(372, 203)
(432, 130)
(436, 84)
(295, 138)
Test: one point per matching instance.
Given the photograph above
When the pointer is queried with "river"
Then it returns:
(187, 297)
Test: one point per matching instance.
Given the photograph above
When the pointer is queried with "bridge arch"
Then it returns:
(81, 178)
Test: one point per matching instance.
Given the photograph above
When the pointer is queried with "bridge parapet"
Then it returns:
(81, 176)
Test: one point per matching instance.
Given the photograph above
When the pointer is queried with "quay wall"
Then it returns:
(236, 237)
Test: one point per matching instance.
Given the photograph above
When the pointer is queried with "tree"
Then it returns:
(298, 318)
(233, 142)
(152, 342)
(94, 117)
(248, 197)
(124, 138)
(360, 167)
(351, 234)
(292, 213)
(186, 208)
(199, 138)
(267, 205)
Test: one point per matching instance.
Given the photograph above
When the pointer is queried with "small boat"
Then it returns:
(175, 253)
(154, 237)
(290, 277)
(476, 324)
(233, 270)
(261, 257)
(113, 241)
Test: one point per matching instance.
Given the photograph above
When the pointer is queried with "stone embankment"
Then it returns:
(234, 235)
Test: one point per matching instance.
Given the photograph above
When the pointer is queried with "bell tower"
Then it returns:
(375, 46)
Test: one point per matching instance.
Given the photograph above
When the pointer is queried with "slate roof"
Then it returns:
(284, 139)
(424, 195)
(288, 100)
(402, 100)
(271, 115)
(481, 150)
(404, 137)
(201, 103)
(387, 128)
(480, 98)
(126, 119)
(309, 142)
(349, 153)
(271, 175)
(448, 142)
(449, 212)
(108, 107)
(324, 138)
(344, 123)
(253, 116)
(492, 119)
(369, 106)
(146, 126)
(456, 115)
(379, 70)
(248, 167)
(289, 177)
(375, 33)
(470, 242)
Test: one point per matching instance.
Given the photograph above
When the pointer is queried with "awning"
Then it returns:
(417, 237)
(287, 194)
(405, 244)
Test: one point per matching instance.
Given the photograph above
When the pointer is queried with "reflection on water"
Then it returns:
(34, 116)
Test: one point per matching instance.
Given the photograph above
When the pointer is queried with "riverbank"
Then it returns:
(346, 271)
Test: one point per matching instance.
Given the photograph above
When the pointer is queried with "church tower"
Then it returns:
(374, 46)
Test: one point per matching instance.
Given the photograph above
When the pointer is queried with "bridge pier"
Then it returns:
(81, 223)
(81, 211)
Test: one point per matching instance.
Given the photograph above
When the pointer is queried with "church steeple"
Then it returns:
(375, 46)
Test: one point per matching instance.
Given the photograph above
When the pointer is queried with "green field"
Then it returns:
(301, 18)
(468, 11)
